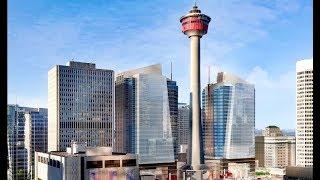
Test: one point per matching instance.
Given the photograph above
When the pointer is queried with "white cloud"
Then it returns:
(115, 40)
(275, 97)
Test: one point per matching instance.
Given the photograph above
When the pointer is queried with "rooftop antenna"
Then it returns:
(171, 70)
(209, 75)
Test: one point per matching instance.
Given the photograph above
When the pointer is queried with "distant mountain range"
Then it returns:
(286, 132)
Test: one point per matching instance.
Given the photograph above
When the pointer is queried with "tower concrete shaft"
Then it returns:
(195, 96)
(195, 25)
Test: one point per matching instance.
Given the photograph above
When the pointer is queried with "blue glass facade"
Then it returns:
(221, 105)
(229, 119)
(143, 114)
(27, 132)
(173, 105)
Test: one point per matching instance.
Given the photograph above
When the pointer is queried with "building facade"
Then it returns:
(80, 105)
(273, 150)
(173, 106)
(184, 124)
(22, 138)
(125, 115)
(36, 135)
(86, 163)
(304, 113)
(232, 117)
(228, 119)
(146, 126)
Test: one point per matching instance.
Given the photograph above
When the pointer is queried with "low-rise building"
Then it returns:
(84, 163)
(275, 150)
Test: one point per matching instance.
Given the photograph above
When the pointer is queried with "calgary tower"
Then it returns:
(195, 25)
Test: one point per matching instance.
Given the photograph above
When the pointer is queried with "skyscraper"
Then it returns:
(145, 127)
(80, 105)
(125, 115)
(22, 138)
(173, 106)
(184, 124)
(229, 119)
(36, 135)
(304, 113)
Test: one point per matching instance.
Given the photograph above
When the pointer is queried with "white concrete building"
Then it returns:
(85, 163)
(304, 113)
(273, 150)
(80, 105)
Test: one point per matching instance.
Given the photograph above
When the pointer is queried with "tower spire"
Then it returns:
(171, 70)
(209, 74)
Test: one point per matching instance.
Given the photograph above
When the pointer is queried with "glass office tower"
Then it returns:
(145, 127)
(173, 105)
(27, 132)
(231, 119)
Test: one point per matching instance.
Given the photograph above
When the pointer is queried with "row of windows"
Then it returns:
(305, 87)
(50, 162)
(303, 72)
(306, 123)
(304, 92)
(301, 104)
(305, 80)
(70, 71)
(81, 125)
(111, 163)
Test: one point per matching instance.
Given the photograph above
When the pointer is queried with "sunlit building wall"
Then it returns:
(229, 118)
(148, 121)
(80, 105)
(304, 113)
(36, 135)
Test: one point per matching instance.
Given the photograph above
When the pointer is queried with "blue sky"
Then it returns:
(260, 41)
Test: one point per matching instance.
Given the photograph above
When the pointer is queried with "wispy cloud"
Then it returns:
(122, 35)
(275, 96)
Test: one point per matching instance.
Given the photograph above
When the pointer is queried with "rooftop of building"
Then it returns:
(224, 77)
(155, 68)
(272, 126)
(81, 149)
(66, 154)
(305, 64)
(80, 65)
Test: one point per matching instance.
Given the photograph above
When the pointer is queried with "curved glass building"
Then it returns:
(145, 127)
(229, 118)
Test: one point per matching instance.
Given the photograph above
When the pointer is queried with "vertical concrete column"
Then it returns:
(195, 95)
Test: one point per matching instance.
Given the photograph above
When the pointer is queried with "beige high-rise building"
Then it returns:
(80, 105)
(304, 113)
(273, 150)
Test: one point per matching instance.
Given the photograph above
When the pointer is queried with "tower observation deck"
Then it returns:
(195, 25)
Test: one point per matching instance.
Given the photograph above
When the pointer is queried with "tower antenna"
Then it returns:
(171, 70)
(209, 74)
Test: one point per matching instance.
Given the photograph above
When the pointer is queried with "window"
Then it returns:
(112, 163)
(94, 164)
(129, 162)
